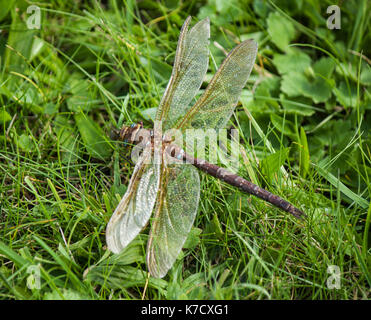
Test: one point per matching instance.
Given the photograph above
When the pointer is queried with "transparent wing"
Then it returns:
(175, 212)
(214, 108)
(136, 206)
(190, 66)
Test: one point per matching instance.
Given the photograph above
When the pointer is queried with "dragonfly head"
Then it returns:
(128, 133)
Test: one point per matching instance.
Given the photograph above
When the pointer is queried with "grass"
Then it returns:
(305, 135)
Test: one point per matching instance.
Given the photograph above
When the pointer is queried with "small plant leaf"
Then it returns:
(292, 83)
(283, 125)
(324, 67)
(95, 142)
(193, 238)
(82, 97)
(25, 143)
(67, 139)
(281, 30)
(304, 153)
(271, 164)
(4, 116)
(295, 60)
(346, 97)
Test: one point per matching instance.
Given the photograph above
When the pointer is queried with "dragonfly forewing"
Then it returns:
(190, 66)
(136, 206)
(174, 215)
(214, 108)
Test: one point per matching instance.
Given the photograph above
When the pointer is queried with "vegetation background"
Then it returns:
(304, 120)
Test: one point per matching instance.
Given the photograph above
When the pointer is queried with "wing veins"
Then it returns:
(217, 83)
(169, 92)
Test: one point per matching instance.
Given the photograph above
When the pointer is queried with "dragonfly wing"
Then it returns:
(136, 206)
(190, 66)
(214, 108)
(175, 212)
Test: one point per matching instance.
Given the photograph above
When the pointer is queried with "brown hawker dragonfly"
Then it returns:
(170, 191)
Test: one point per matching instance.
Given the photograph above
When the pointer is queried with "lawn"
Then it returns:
(70, 72)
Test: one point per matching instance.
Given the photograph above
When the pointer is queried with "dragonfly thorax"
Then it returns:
(129, 134)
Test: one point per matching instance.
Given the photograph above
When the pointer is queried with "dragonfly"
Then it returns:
(165, 193)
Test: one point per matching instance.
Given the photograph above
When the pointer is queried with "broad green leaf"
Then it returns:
(161, 70)
(324, 67)
(318, 90)
(283, 125)
(66, 138)
(117, 276)
(272, 84)
(4, 116)
(281, 30)
(220, 12)
(82, 97)
(65, 294)
(298, 105)
(347, 70)
(366, 104)
(19, 43)
(268, 87)
(316, 149)
(10, 254)
(340, 132)
(271, 164)
(294, 61)
(115, 271)
(263, 101)
(26, 95)
(292, 83)
(191, 288)
(223, 6)
(37, 47)
(193, 238)
(346, 97)
(261, 8)
(133, 253)
(25, 143)
(5, 6)
(51, 108)
(95, 142)
(149, 114)
(366, 76)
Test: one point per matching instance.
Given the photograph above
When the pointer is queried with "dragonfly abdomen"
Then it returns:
(244, 185)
